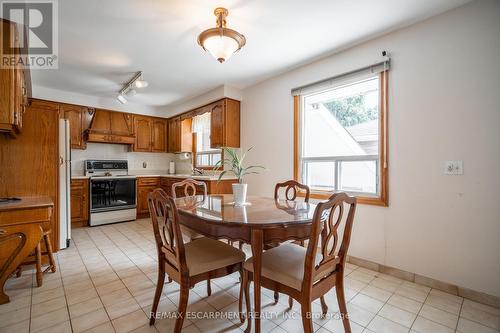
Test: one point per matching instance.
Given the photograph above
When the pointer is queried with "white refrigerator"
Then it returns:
(64, 184)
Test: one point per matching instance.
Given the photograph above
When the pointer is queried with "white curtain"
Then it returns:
(201, 126)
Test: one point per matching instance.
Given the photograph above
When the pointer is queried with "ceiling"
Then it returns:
(102, 43)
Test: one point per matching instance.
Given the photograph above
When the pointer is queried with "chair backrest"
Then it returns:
(330, 222)
(189, 186)
(291, 188)
(168, 235)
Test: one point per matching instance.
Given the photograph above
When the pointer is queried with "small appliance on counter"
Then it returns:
(171, 168)
(112, 192)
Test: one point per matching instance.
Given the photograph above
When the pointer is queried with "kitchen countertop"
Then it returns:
(80, 177)
(27, 203)
(161, 174)
(198, 177)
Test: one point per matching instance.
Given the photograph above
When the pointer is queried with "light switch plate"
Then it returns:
(454, 168)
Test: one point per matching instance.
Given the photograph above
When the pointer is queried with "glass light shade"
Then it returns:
(141, 84)
(221, 47)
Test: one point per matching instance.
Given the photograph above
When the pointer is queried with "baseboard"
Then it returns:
(473, 295)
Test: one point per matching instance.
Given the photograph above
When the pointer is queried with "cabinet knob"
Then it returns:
(2, 232)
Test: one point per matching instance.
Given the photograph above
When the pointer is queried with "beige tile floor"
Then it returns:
(106, 280)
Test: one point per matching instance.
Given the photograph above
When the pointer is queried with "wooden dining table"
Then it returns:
(261, 221)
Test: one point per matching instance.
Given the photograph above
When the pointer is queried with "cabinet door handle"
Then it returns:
(2, 232)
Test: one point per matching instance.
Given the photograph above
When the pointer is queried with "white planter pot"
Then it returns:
(240, 194)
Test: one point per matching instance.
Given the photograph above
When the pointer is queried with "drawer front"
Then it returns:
(148, 181)
(79, 183)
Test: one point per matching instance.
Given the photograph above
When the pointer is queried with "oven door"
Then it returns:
(109, 194)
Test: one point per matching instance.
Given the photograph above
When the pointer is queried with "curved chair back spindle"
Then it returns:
(291, 188)
(189, 186)
(332, 219)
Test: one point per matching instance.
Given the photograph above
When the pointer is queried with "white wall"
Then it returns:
(443, 105)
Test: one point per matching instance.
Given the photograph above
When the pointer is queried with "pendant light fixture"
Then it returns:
(221, 42)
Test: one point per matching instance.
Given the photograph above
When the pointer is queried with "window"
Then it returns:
(204, 156)
(340, 139)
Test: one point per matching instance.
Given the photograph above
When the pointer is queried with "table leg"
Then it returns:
(257, 249)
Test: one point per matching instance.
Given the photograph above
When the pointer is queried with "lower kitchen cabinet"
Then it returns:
(79, 203)
(145, 185)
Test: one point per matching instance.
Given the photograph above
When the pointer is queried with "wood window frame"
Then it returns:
(383, 198)
(195, 159)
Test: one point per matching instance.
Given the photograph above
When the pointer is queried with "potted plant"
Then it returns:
(235, 164)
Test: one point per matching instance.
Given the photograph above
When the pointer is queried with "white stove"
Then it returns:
(112, 192)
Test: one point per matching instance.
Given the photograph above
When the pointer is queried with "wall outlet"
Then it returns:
(454, 168)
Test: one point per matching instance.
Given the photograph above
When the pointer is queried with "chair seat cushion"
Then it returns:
(205, 254)
(285, 264)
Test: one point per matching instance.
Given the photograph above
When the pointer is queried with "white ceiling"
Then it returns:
(102, 43)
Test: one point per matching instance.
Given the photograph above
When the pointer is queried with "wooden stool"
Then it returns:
(38, 258)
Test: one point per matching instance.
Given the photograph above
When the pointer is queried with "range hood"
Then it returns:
(111, 127)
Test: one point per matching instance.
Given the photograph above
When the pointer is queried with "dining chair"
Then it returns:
(190, 263)
(187, 188)
(290, 189)
(303, 273)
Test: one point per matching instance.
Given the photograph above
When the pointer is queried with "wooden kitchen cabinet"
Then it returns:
(15, 82)
(145, 185)
(79, 119)
(225, 123)
(79, 202)
(180, 137)
(142, 127)
(159, 135)
(111, 127)
(150, 134)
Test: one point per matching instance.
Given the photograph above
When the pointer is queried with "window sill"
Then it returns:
(375, 201)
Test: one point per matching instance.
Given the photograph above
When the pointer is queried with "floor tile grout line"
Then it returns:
(376, 314)
(459, 314)
(92, 281)
(420, 309)
(64, 290)
(97, 247)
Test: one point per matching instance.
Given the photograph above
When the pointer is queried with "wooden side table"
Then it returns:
(21, 230)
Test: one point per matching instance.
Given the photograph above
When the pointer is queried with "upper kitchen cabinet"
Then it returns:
(142, 127)
(111, 127)
(150, 134)
(225, 123)
(15, 82)
(79, 120)
(159, 135)
(180, 137)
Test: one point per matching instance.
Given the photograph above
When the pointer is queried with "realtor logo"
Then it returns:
(37, 43)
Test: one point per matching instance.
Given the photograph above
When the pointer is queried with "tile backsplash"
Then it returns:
(153, 161)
